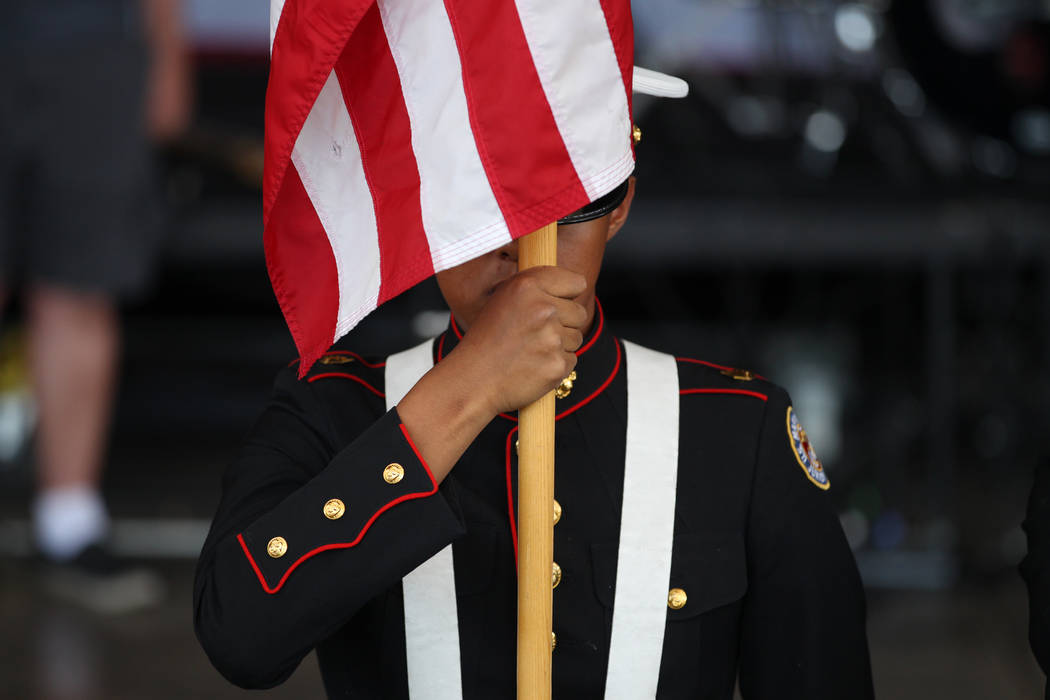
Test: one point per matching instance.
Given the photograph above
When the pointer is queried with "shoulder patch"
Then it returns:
(804, 453)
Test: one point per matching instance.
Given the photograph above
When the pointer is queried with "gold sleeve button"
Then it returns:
(555, 575)
(554, 641)
(277, 547)
(334, 509)
(393, 473)
(557, 511)
(676, 599)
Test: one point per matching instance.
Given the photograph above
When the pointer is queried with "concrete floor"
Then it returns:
(969, 644)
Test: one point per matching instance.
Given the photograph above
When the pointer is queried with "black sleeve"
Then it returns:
(1035, 568)
(276, 574)
(803, 624)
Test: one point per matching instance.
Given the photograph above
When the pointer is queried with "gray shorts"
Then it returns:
(78, 206)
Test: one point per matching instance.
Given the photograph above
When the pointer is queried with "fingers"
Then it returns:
(571, 340)
(569, 313)
(557, 281)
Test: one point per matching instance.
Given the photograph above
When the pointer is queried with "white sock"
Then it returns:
(68, 519)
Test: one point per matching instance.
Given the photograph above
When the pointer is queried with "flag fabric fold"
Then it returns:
(405, 137)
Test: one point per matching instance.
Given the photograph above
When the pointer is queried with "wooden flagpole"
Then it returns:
(536, 511)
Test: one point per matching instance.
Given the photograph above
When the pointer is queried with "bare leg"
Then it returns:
(74, 342)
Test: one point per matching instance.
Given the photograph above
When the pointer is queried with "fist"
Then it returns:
(524, 340)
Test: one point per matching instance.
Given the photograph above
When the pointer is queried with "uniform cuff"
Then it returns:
(378, 472)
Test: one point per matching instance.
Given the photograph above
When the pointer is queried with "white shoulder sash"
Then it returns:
(643, 566)
(431, 622)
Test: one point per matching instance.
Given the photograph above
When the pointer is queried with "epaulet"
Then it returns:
(702, 377)
(347, 366)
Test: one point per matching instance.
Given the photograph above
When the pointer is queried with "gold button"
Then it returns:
(393, 473)
(741, 375)
(636, 134)
(557, 511)
(565, 388)
(555, 575)
(334, 509)
(336, 360)
(277, 547)
(554, 641)
(676, 599)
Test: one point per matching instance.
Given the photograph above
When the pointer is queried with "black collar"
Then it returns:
(599, 361)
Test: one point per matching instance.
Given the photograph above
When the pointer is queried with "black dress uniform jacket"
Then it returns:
(773, 594)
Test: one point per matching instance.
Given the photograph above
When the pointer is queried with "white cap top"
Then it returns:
(650, 82)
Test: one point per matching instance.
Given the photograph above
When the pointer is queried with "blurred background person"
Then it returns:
(89, 84)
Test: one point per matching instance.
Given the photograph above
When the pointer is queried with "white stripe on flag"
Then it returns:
(328, 160)
(584, 86)
(276, 7)
(424, 49)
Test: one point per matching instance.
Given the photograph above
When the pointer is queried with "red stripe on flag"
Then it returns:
(310, 36)
(372, 92)
(302, 270)
(621, 29)
(528, 166)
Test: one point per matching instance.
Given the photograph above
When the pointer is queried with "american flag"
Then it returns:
(405, 137)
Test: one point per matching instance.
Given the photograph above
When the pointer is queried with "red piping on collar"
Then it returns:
(356, 540)
(344, 375)
(742, 392)
(510, 499)
(601, 325)
(510, 485)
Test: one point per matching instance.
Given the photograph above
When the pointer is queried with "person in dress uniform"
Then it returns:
(370, 514)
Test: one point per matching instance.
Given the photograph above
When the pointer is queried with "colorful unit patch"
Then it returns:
(804, 453)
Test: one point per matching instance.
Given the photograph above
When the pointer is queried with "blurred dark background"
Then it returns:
(852, 201)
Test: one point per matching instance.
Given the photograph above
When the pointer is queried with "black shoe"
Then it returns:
(101, 582)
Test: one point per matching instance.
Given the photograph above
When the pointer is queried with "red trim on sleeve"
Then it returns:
(351, 377)
(742, 392)
(422, 461)
(455, 326)
(344, 545)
